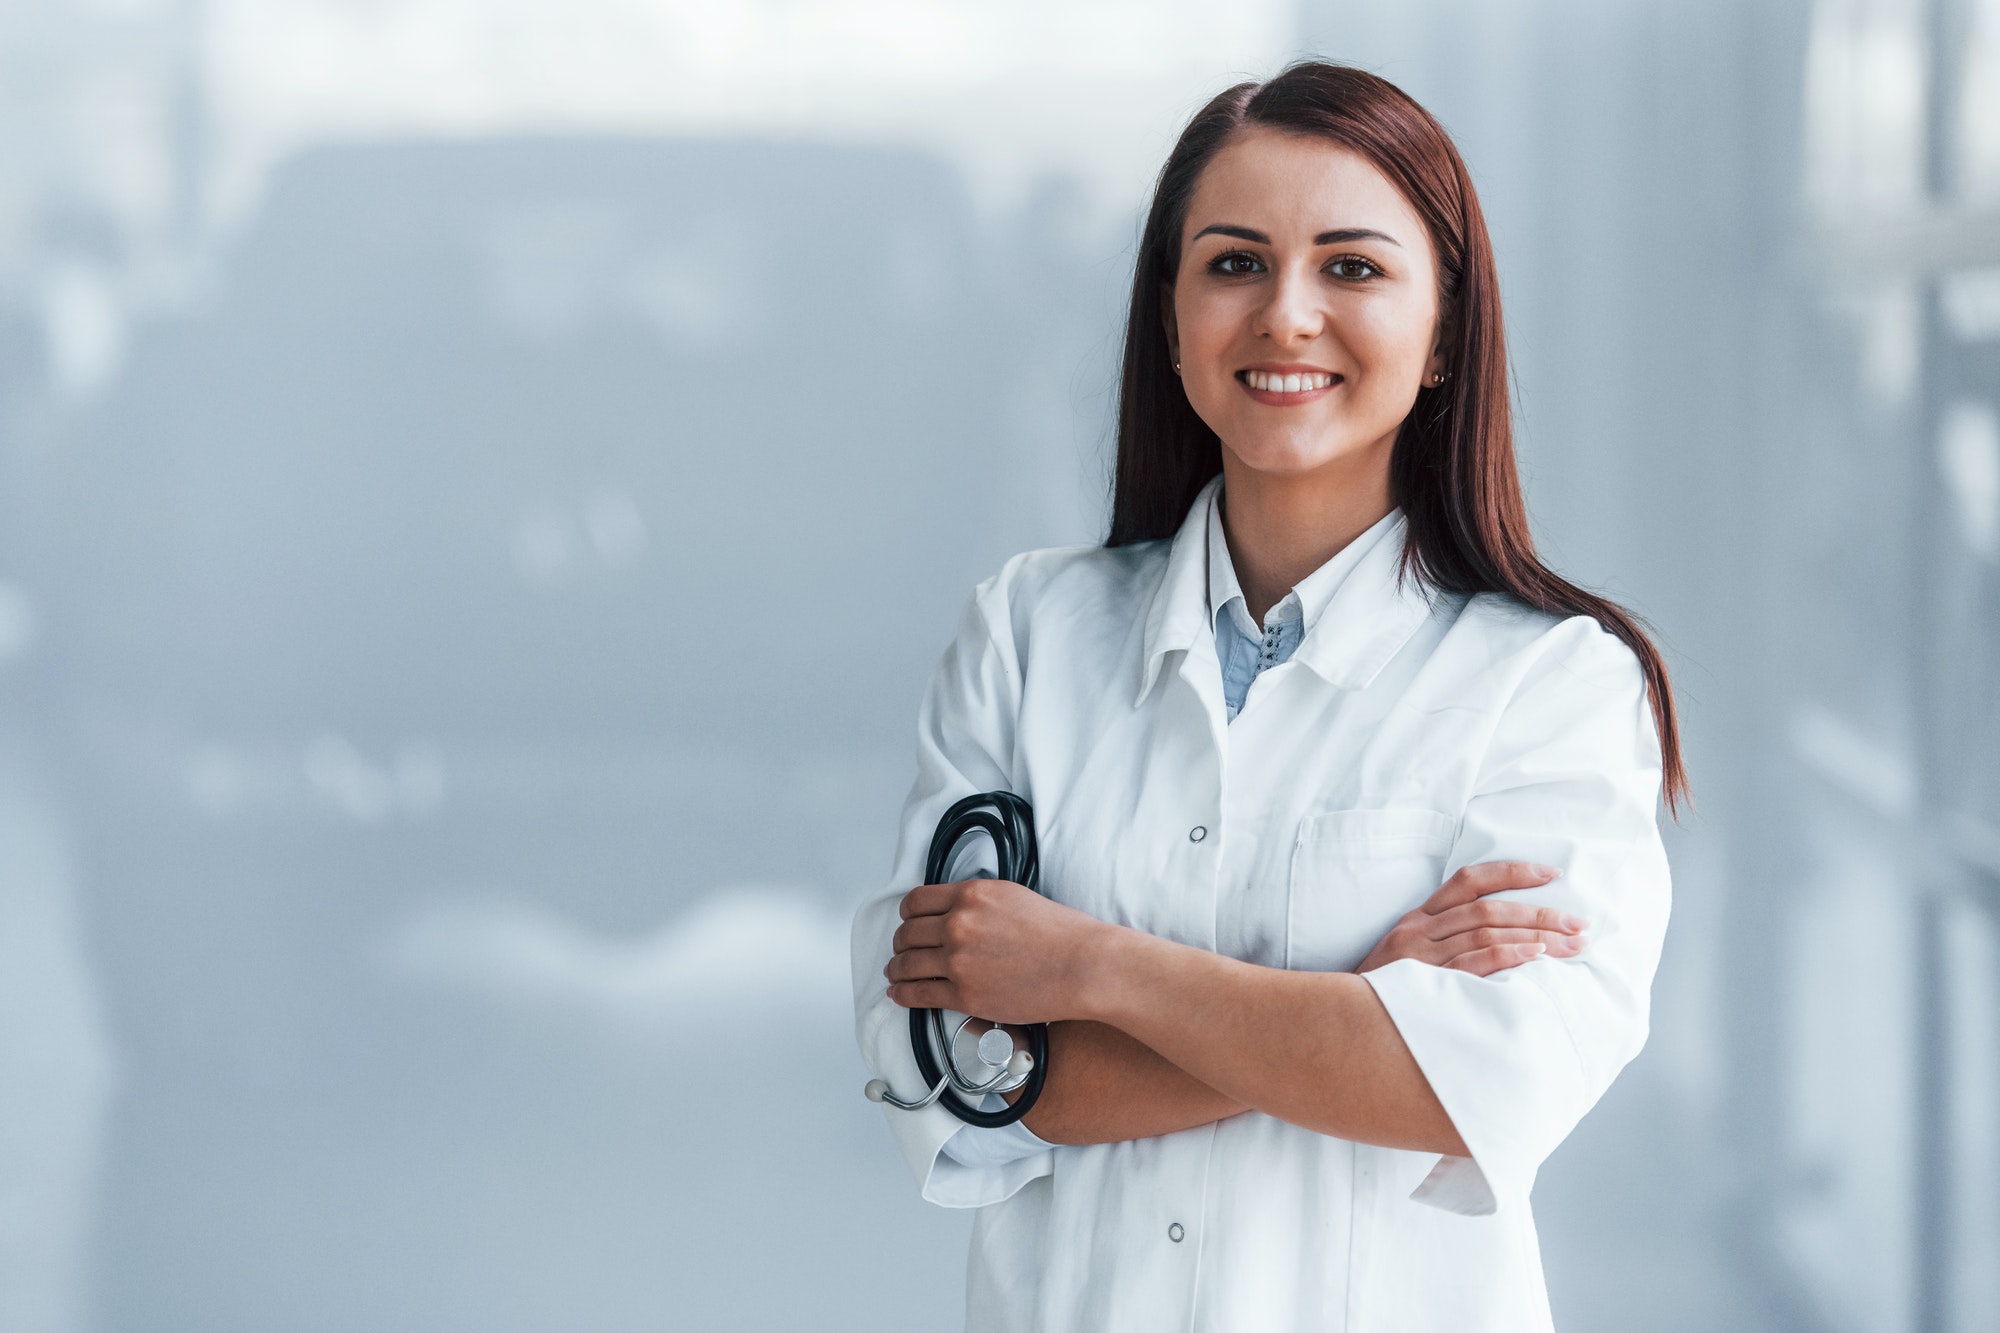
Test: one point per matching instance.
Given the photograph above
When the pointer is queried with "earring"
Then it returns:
(1438, 378)
(1177, 367)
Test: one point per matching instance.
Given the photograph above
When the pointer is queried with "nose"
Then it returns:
(1292, 313)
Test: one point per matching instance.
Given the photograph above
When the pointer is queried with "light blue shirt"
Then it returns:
(1246, 650)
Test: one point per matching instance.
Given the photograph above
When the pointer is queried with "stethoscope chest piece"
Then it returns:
(995, 1048)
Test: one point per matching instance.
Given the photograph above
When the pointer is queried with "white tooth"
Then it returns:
(1321, 381)
(1259, 380)
(1293, 383)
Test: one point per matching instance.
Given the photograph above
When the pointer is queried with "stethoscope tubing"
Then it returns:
(1009, 822)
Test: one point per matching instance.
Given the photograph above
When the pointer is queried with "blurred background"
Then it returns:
(483, 484)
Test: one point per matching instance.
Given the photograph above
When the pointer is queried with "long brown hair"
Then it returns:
(1452, 469)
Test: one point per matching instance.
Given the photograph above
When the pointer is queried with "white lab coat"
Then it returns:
(1409, 735)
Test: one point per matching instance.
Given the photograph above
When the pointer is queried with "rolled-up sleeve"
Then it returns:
(1571, 779)
(965, 742)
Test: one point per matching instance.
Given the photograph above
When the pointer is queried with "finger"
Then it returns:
(929, 900)
(1496, 912)
(1472, 941)
(919, 932)
(925, 995)
(1488, 877)
(1485, 962)
(916, 965)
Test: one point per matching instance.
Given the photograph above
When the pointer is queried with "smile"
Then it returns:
(1272, 385)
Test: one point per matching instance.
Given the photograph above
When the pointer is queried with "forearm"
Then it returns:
(1105, 1086)
(1313, 1048)
(1316, 1049)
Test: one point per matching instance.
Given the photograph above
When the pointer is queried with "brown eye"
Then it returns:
(1234, 264)
(1353, 268)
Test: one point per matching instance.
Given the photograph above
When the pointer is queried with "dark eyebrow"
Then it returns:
(1347, 234)
(1240, 233)
(1340, 237)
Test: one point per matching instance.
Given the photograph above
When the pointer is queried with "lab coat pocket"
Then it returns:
(1354, 873)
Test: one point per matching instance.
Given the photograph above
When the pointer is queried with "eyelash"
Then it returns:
(1217, 265)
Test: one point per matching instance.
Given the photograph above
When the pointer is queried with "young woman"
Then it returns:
(1316, 672)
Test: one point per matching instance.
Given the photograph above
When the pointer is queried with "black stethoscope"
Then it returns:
(1009, 824)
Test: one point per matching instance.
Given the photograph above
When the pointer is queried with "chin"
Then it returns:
(1293, 456)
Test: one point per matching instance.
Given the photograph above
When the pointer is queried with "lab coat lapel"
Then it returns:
(1371, 617)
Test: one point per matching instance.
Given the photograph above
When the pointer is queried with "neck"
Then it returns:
(1281, 527)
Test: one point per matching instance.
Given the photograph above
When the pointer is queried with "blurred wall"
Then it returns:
(531, 542)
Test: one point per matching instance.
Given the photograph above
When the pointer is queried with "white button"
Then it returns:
(1175, 1232)
(1197, 833)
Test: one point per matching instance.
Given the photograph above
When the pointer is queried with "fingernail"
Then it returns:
(1573, 924)
(1550, 872)
(1533, 949)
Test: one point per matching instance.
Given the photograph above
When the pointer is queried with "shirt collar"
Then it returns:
(1357, 618)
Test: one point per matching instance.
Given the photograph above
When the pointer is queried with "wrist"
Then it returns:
(1100, 970)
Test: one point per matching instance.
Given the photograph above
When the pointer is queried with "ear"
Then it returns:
(1439, 346)
(1172, 323)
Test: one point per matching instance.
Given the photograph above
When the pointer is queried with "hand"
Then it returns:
(1459, 926)
(988, 947)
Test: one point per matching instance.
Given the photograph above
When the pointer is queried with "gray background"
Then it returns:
(482, 488)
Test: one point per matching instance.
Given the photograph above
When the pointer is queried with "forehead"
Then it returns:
(1294, 186)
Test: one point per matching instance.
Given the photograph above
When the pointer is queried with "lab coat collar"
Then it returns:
(1375, 610)
(1180, 603)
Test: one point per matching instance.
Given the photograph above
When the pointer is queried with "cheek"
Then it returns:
(1206, 328)
(1390, 341)
(1208, 331)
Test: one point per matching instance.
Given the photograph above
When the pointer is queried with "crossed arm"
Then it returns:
(1148, 1036)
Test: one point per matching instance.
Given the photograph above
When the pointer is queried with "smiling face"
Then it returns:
(1304, 313)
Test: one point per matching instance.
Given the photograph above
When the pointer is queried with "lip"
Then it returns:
(1272, 399)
